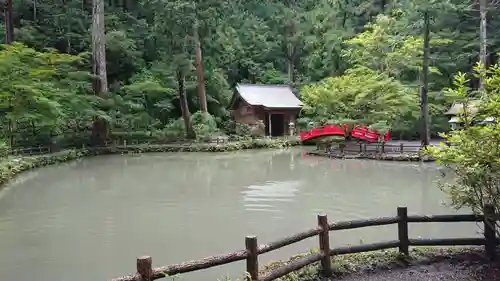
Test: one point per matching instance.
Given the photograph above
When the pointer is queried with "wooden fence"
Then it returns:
(25, 151)
(145, 272)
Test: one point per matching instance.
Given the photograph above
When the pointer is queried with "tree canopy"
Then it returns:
(371, 49)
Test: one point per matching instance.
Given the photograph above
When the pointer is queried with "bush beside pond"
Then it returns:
(212, 147)
(13, 165)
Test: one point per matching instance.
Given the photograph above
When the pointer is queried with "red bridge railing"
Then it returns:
(358, 132)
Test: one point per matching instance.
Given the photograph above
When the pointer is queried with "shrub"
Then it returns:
(243, 130)
(204, 126)
(4, 148)
(257, 129)
(174, 129)
(473, 153)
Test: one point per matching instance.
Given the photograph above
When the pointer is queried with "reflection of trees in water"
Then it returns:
(370, 168)
(245, 168)
(201, 174)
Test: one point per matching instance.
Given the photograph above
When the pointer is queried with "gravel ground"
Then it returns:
(467, 267)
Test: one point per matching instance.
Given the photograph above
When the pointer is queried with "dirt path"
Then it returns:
(471, 267)
(440, 271)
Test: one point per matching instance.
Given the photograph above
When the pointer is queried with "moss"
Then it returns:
(371, 261)
(13, 165)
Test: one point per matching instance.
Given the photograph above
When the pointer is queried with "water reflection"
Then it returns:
(271, 193)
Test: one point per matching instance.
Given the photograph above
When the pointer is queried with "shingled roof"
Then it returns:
(270, 96)
(457, 108)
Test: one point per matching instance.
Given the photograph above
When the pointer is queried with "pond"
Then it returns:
(90, 219)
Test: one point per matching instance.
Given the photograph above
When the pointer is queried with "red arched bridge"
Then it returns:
(358, 132)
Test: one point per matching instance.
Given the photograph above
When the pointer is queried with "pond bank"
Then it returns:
(14, 165)
(430, 264)
(407, 157)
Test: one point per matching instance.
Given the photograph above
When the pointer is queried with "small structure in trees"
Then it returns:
(456, 112)
(274, 105)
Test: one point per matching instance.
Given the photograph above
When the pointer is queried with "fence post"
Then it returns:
(401, 147)
(360, 148)
(489, 231)
(324, 245)
(383, 148)
(404, 241)
(145, 268)
(364, 147)
(252, 258)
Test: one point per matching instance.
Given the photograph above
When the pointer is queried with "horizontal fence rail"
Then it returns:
(367, 148)
(145, 271)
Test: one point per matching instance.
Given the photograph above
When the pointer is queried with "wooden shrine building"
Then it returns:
(275, 105)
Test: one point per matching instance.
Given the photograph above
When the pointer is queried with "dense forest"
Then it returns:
(167, 68)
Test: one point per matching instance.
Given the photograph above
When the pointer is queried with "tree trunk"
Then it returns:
(200, 70)
(34, 10)
(100, 83)
(482, 37)
(291, 67)
(186, 115)
(99, 49)
(9, 28)
(424, 108)
(9, 38)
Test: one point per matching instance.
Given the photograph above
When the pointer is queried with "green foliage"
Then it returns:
(473, 153)
(4, 147)
(382, 47)
(174, 129)
(242, 41)
(12, 166)
(243, 130)
(43, 91)
(360, 96)
(204, 125)
(306, 123)
(144, 103)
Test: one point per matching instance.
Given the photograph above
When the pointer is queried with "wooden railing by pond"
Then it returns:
(25, 151)
(371, 148)
(145, 272)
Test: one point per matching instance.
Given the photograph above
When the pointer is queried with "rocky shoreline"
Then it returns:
(406, 157)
